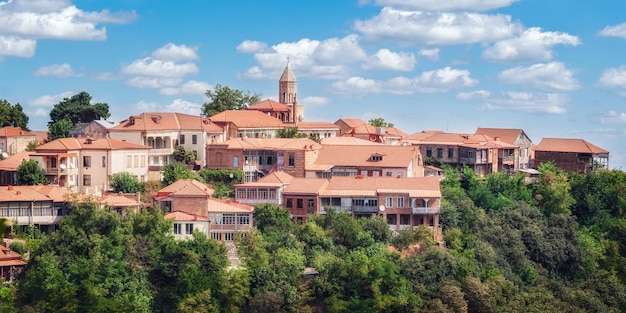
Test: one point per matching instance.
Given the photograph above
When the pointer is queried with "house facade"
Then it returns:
(8, 167)
(93, 129)
(14, 139)
(516, 137)
(571, 155)
(185, 224)
(85, 165)
(356, 127)
(268, 189)
(11, 264)
(42, 205)
(247, 124)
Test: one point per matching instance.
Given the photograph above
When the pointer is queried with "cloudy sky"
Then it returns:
(554, 68)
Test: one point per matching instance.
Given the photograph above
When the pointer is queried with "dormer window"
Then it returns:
(131, 121)
(376, 157)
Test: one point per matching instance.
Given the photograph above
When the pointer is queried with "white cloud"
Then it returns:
(309, 58)
(58, 70)
(477, 94)
(613, 77)
(436, 28)
(17, 47)
(179, 105)
(440, 80)
(191, 87)
(448, 5)
(250, 46)
(614, 31)
(144, 106)
(430, 54)
(613, 116)
(532, 45)
(106, 76)
(314, 102)
(38, 112)
(153, 82)
(159, 68)
(385, 59)
(543, 76)
(50, 100)
(172, 52)
(552, 103)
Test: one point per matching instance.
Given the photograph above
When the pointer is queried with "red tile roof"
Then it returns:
(184, 216)
(13, 162)
(21, 193)
(306, 186)
(508, 135)
(269, 105)
(317, 125)
(40, 135)
(67, 144)
(10, 131)
(414, 186)
(347, 141)
(568, 145)
(247, 119)
(54, 192)
(156, 121)
(272, 144)
(227, 206)
(9, 257)
(119, 200)
(393, 156)
(186, 187)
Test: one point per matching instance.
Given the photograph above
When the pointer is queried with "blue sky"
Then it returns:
(554, 68)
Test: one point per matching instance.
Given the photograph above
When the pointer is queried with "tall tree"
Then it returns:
(223, 98)
(79, 109)
(379, 122)
(175, 171)
(12, 115)
(126, 182)
(29, 173)
(59, 129)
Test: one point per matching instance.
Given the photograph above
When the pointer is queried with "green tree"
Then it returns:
(269, 215)
(183, 156)
(379, 122)
(78, 109)
(12, 115)
(127, 183)
(29, 173)
(32, 145)
(289, 132)
(59, 129)
(175, 171)
(552, 190)
(223, 98)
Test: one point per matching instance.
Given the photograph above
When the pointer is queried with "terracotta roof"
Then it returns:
(10, 131)
(274, 179)
(393, 156)
(351, 122)
(508, 135)
(40, 135)
(467, 140)
(317, 125)
(184, 216)
(269, 105)
(227, 206)
(13, 162)
(568, 145)
(67, 144)
(9, 257)
(414, 186)
(347, 141)
(54, 192)
(186, 187)
(119, 200)
(306, 186)
(156, 121)
(272, 144)
(21, 193)
(247, 119)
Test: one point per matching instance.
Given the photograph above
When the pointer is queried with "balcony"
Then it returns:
(160, 151)
(425, 210)
(364, 209)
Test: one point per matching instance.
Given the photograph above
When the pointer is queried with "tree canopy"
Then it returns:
(175, 171)
(223, 98)
(12, 115)
(78, 109)
(59, 129)
(127, 183)
(29, 173)
(379, 122)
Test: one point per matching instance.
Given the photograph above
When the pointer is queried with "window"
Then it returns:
(229, 236)
(235, 161)
(53, 162)
(292, 161)
(194, 139)
(270, 160)
(450, 153)
(129, 161)
(216, 236)
(377, 157)
(86, 180)
(405, 219)
(400, 202)
(188, 228)
(244, 219)
(104, 161)
(391, 219)
(136, 161)
(299, 204)
(143, 161)
(389, 202)
(388, 173)
(439, 153)
(228, 218)
(86, 161)
(177, 229)
(310, 203)
(429, 153)
(182, 139)
(289, 202)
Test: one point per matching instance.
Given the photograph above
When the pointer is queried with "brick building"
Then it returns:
(14, 139)
(571, 155)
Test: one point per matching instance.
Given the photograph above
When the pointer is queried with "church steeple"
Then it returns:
(287, 86)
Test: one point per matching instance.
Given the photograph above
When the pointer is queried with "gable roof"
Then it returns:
(274, 179)
(66, 144)
(568, 145)
(13, 162)
(159, 121)
(393, 156)
(21, 193)
(184, 216)
(306, 186)
(186, 187)
(272, 144)
(269, 105)
(371, 186)
(508, 135)
(10, 131)
(247, 119)
(120, 200)
(351, 122)
(227, 206)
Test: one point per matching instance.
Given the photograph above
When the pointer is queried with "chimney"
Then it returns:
(18, 193)
(9, 187)
(359, 176)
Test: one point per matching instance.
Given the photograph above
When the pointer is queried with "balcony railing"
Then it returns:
(155, 151)
(424, 210)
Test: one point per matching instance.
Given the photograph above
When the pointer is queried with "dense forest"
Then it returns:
(556, 245)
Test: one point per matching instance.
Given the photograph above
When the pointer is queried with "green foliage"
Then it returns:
(12, 115)
(8, 299)
(379, 122)
(78, 109)
(289, 132)
(59, 129)
(182, 156)
(268, 215)
(222, 180)
(127, 183)
(18, 247)
(32, 145)
(175, 171)
(552, 190)
(29, 173)
(223, 98)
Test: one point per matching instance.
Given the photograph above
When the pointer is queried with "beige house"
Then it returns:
(164, 131)
(185, 224)
(85, 165)
(514, 136)
(14, 139)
